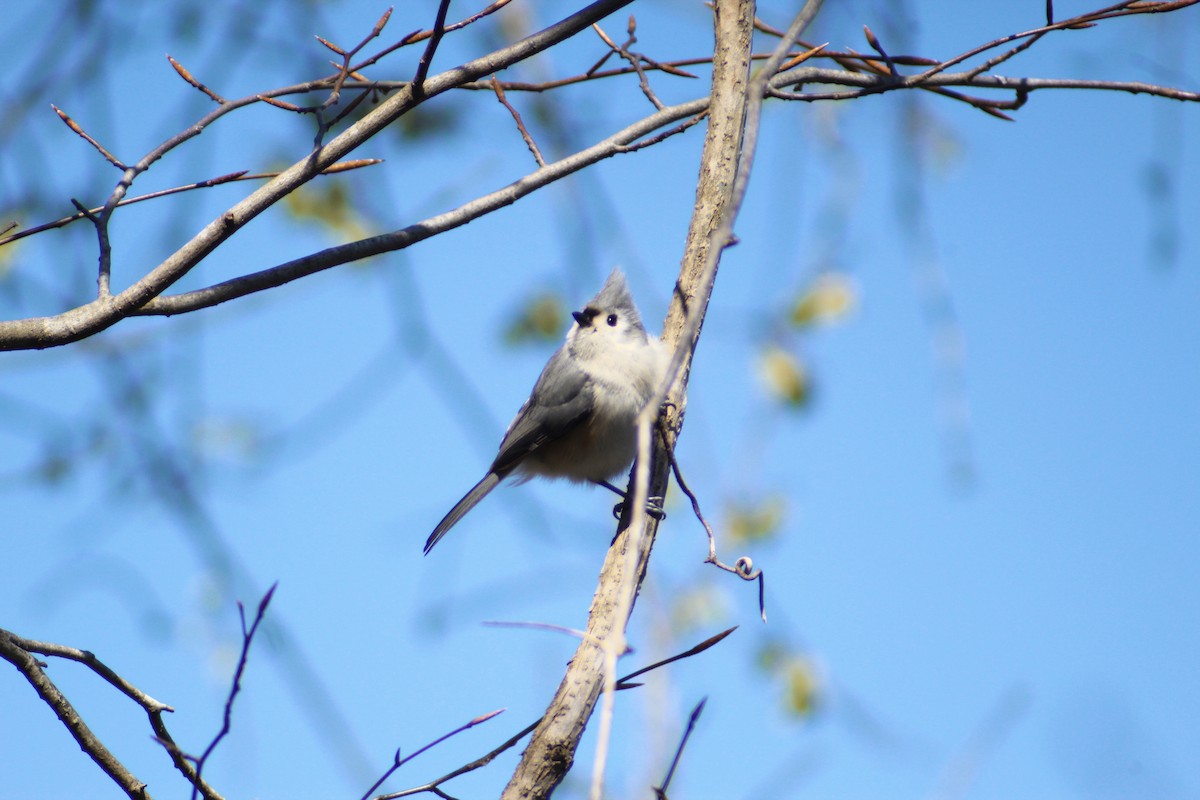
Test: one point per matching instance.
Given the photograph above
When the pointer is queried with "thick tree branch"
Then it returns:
(551, 750)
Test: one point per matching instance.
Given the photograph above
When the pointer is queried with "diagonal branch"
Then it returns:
(86, 320)
(13, 649)
(418, 232)
(551, 750)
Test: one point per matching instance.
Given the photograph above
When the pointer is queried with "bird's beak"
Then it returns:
(584, 318)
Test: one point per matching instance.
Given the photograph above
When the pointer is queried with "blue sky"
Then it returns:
(1030, 632)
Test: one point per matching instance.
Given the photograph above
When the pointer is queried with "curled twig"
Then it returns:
(744, 566)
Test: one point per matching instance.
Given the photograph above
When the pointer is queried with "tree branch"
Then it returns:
(551, 750)
(418, 232)
(18, 652)
(86, 320)
(864, 73)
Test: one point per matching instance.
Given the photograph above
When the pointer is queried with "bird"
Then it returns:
(580, 421)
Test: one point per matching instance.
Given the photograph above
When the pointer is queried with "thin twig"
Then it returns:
(75, 126)
(873, 40)
(653, 140)
(541, 626)
(660, 792)
(89, 660)
(236, 684)
(435, 38)
(529, 142)
(744, 566)
(622, 683)
(634, 59)
(243, 175)
(398, 762)
(187, 76)
(420, 36)
(344, 69)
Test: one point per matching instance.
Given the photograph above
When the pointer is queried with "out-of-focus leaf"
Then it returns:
(8, 257)
(828, 299)
(771, 655)
(754, 521)
(327, 202)
(541, 319)
(227, 439)
(801, 687)
(427, 121)
(698, 607)
(797, 675)
(784, 376)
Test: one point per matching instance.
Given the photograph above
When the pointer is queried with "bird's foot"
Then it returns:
(654, 508)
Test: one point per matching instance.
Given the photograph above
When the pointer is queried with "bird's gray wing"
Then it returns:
(561, 400)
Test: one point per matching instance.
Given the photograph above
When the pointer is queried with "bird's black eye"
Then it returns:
(612, 320)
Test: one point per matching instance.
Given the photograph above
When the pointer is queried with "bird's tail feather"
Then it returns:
(477, 493)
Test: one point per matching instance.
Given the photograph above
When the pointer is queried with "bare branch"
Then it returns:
(74, 126)
(13, 650)
(435, 38)
(84, 321)
(235, 685)
(660, 792)
(243, 175)
(398, 762)
(744, 566)
(529, 142)
(187, 76)
(484, 760)
(861, 75)
(624, 682)
(405, 237)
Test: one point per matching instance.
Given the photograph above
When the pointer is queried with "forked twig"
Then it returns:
(487, 758)
(435, 38)
(236, 685)
(398, 762)
(242, 175)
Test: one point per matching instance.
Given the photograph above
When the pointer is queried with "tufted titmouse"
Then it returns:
(579, 422)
